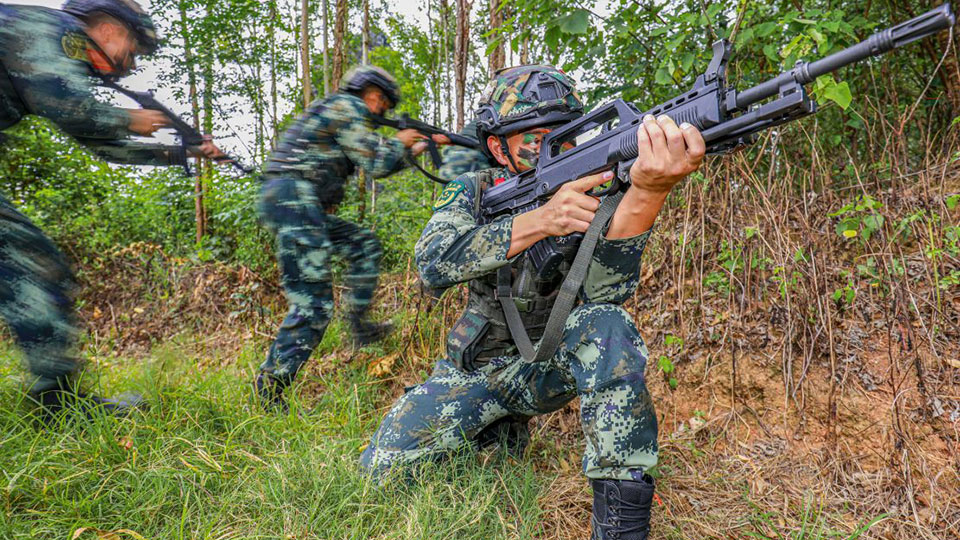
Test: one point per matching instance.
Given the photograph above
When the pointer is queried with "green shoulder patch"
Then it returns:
(448, 194)
(74, 46)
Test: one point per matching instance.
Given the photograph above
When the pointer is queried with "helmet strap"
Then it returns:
(505, 148)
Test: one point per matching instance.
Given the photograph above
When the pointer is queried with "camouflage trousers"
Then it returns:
(306, 240)
(601, 359)
(35, 284)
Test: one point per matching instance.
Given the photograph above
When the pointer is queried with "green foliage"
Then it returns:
(861, 218)
(674, 345)
(845, 295)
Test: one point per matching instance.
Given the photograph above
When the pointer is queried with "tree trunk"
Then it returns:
(305, 51)
(326, 59)
(361, 177)
(445, 58)
(195, 109)
(208, 90)
(271, 36)
(365, 40)
(339, 44)
(460, 55)
(496, 20)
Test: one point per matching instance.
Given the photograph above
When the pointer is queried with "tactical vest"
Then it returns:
(328, 179)
(481, 333)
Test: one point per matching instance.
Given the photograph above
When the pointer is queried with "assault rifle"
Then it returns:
(726, 117)
(405, 122)
(187, 134)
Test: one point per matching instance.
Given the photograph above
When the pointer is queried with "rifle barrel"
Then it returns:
(931, 22)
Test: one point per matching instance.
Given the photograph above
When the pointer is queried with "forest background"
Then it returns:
(799, 299)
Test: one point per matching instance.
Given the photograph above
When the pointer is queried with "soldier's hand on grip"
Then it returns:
(667, 154)
(145, 121)
(570, 209)
(210, 150)
(409, 137)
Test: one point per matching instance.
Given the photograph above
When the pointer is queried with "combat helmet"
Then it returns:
(525, 97)
(366, 75)
(126, 11)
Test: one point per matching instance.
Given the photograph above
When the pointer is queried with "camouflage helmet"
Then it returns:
(126, 11)
(525, 97)
(366, 75)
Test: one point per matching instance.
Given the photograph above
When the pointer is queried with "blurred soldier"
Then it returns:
(49, 64)
(304, 180)
(601, 357)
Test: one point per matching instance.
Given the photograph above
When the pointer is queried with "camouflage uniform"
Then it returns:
(459, 160)
(305, 175)
(482, 379)
(45, 70)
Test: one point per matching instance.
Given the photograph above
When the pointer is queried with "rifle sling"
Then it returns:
(567, 296)
(413, 163)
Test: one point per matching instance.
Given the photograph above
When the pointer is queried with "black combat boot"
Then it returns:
(65, 397)
(621, 509)
(270, 393)
(368, 333)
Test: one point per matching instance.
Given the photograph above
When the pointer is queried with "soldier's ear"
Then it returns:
(493, 143)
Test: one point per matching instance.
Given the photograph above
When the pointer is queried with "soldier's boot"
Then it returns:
(66, 397)
(512, 433)
(270, 393)
(621, 509)
(368, 333)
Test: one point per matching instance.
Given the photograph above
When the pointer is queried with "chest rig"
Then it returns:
(295, 155)
(482, 332)
(528, 311)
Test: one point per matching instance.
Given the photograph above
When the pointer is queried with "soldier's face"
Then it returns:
(118, 42)
(524, 147)
(376, 100)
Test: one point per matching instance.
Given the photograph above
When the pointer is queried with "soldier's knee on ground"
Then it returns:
(606, 344)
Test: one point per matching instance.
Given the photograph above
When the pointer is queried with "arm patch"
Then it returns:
(448, 194)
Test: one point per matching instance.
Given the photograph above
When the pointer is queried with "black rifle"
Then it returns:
(405, 122)
(727, 119)
(187, 134)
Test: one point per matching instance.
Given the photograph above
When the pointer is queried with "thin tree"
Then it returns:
(271, 37)
(326, 62)
(445, 38)
(461, 53)
(339, 44)
(190, 62)
(305, 50)
(361, 177)
(497, 57)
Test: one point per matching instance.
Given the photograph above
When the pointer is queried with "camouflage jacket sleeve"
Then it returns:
(614, 272)
(53, 85)
(454, 248)
(135, 153)
(377, 155)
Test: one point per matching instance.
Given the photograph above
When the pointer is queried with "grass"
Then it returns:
(202, 462)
